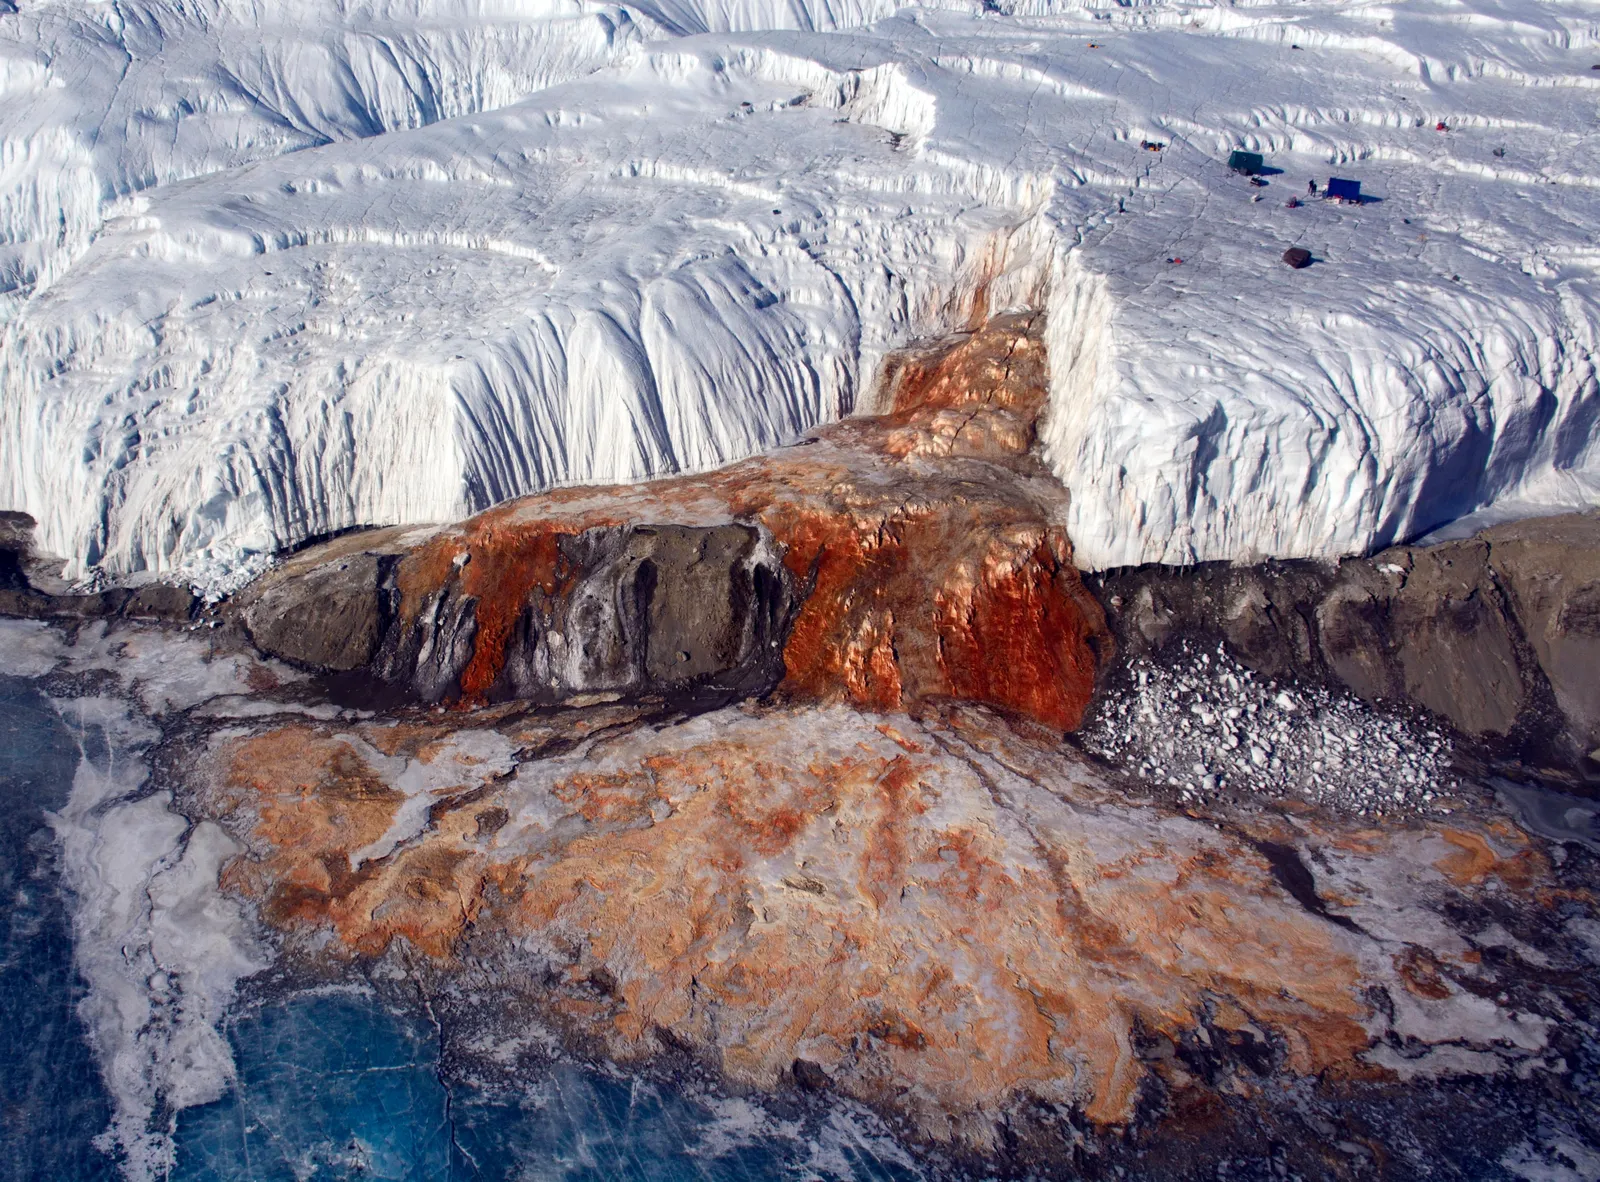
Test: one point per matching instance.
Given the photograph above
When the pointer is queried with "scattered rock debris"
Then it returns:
(1204, 724)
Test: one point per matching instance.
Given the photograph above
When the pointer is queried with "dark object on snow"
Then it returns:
(1247, 163)
(810, 1076)
(1311, 188)
(1151, 145)
(1292, 203)
(1258, 182)
(1499, 152)
(1297, 257)
(1342, 190)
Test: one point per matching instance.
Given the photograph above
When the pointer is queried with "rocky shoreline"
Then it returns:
(1496, 637)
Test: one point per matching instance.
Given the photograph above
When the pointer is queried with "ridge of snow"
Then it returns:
(270, 274)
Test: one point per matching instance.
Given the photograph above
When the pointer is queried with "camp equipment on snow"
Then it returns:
(1247, 163)
(1297, 257)
(1343, 190)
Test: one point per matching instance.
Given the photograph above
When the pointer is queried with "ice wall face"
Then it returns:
(276, 272)
(1438, 358)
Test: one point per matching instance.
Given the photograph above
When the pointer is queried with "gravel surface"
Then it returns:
(1204, 724)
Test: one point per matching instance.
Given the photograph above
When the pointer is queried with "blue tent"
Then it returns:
(1344, 190)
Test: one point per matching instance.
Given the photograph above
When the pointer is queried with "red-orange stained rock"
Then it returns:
(924, 540)
(842, 641)
(506, 565)
(1025, 638)
(1473, 859)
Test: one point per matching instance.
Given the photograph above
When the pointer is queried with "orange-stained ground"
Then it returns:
(926, 542)
(945, 913)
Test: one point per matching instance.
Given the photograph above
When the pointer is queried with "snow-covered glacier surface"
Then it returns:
(268, 271)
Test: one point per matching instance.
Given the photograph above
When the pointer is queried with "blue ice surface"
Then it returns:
(336, 1085)
(329, 1086)
(52, 1103)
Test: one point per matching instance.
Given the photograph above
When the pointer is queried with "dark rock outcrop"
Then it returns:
(328, 616)
(1550, 570)
(1499, 634)
(623, 609)
(21, 598)
(546, 614)
(158, 602)
(913, 556)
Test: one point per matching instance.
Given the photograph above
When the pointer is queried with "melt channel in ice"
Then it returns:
(271, 271)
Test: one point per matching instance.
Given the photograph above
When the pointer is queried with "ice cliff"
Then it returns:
(271, 271)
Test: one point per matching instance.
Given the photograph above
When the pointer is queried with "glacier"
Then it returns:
(270, 272)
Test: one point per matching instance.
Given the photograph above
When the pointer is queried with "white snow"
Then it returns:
(29, 648)
(269, 271)
(158, 946)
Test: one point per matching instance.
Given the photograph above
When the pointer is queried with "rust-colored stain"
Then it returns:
(497, 564)
(929, 563)
(1038, 616)
(315, 799)
(938, 908)
(868, 909)
(1419, 972)
(1475, 860)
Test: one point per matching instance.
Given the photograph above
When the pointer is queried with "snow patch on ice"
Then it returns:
(29, 648)
(159, 947)
(1554, 1158)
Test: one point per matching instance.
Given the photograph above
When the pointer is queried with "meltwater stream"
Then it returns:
(335, 1083)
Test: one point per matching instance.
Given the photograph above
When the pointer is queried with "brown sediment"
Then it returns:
(813, 883)
(1474, 859)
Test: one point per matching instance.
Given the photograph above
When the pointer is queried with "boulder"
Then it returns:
(1550, 569)
(1456, 638)
(327, 616)
(554, 611)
